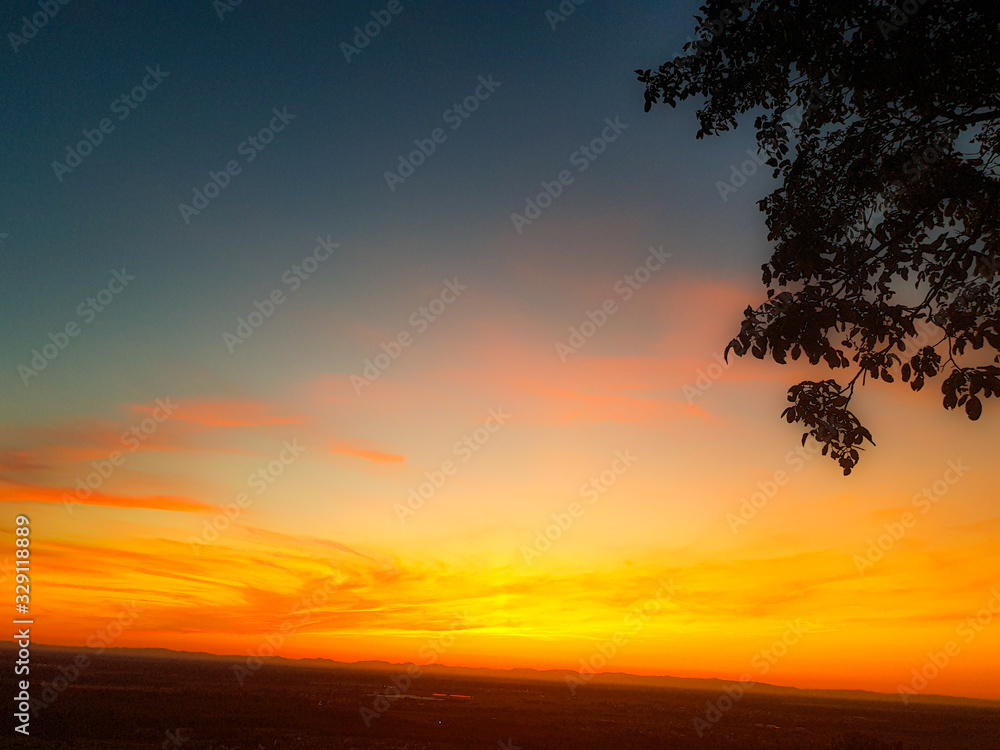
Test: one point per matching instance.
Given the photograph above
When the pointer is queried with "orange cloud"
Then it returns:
(84, 440)
(369, 454)
(640, 368)
(11, 491)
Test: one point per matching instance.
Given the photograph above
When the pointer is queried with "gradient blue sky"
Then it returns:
(324, 173)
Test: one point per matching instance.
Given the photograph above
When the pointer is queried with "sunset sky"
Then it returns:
(316, 460)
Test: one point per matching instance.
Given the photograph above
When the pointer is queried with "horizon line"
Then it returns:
(877, 695)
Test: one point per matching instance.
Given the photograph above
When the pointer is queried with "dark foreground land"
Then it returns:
(120, 702)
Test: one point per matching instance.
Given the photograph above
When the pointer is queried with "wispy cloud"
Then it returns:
(20, 492)
(366, 453)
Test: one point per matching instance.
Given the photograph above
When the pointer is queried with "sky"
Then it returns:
(294, 345)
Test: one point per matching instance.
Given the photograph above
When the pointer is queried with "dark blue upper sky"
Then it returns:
(324, 173)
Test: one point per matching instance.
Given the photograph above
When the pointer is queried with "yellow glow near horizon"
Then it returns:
(542, 543)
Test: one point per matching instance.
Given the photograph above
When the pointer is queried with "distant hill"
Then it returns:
(666, 682)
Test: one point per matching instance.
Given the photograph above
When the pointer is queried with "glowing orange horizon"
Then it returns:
(533, 534)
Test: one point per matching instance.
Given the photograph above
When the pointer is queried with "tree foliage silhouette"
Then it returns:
(882, 124)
